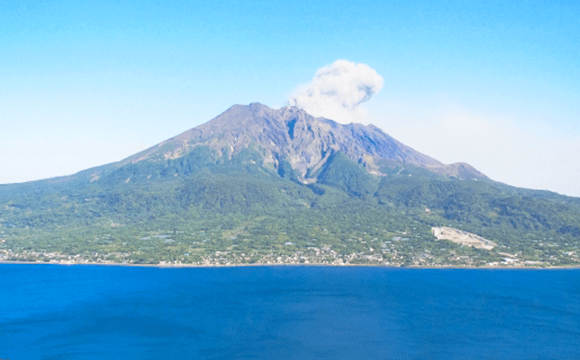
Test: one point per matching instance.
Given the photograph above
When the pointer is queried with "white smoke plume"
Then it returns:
(338, 90)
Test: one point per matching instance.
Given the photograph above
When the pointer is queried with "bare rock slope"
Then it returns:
(462, 237)
(293, 135)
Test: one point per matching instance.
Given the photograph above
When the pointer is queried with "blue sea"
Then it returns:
(102, 312)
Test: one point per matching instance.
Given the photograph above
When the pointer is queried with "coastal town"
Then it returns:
(387, 253)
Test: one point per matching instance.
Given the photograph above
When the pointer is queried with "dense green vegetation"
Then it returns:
(239, 210)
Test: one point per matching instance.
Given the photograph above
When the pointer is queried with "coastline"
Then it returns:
(184, 266)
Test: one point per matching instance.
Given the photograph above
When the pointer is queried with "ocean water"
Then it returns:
(100, 312)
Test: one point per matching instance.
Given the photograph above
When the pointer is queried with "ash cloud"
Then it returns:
(337, 91)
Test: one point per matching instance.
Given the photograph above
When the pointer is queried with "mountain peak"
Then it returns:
(291, 134)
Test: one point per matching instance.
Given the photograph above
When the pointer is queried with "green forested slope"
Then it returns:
(202, 208)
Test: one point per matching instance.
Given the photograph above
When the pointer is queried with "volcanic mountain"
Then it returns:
(290, 138)
(257, 184)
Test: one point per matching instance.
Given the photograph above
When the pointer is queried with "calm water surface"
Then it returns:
(94, 312)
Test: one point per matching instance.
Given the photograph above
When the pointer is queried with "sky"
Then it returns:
(495, 84)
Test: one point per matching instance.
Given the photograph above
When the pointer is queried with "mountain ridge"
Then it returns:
(288, 134)
(303, 140)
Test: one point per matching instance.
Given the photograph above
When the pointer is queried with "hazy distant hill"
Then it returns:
(257, 184)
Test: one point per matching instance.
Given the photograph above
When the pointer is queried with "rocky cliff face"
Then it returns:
(291, 134)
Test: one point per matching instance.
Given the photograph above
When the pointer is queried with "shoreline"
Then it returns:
(184, 266)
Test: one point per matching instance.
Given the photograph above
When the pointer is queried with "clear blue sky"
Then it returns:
(83, 83)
